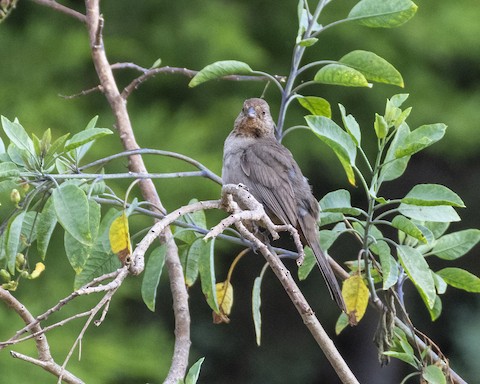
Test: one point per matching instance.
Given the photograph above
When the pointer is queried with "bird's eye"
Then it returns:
(264, 113)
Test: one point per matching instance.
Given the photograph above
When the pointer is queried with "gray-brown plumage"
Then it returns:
(252, 156)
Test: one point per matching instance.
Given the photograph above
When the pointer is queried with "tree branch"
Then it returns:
(118, 105)
(62, 9)
(45, 359)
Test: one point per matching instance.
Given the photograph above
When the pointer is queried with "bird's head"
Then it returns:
(255, 119)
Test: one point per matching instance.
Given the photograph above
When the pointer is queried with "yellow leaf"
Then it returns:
(120, 238)
(225, 302)
(39, 268)
(355, 294)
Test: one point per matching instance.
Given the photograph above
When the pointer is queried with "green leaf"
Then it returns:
(380, 126)
(338, 201)
(85, 137)
(256, 303)
(71, 207)
(78, 252)
(206, 267)
(151, 277)
(434, 375)
(8, 169)
(327, 238)
(342, 323)
(373, 67)
(196, 218)
(52, 151)
(45, 226)
(403, 224)
(421, 138)
(220, 69)
(457, 244)
(392, 167)
(194, 253)
(388, 263)
(396, 100)
(351, 125)
(194, 372)
(419, 272)
(338, 140)
(461, 279)
(440, 284)
(101, 259)
(339, 74)
(308, 42)
(316, 105)
(436, 310)
(308, 263)
(437, 229)
(405, 357)
(431, 195)
(383, 14)
(330, 218)
(438, 213)
(12, 240)
(18, 136)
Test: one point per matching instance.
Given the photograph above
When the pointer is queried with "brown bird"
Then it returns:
(252, 156)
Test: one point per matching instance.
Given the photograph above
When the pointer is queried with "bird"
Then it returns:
(253, 156)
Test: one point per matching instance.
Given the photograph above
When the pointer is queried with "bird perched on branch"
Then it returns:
(253, 157)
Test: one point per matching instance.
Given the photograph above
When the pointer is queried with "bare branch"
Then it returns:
(118, 105)
(148, 73)
(62, 9)
(283, 274)
(160, 226)
(45, 359)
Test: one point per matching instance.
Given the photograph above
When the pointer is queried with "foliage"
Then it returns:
(49, 185)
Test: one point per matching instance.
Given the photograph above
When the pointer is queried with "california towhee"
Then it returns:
(253, 157)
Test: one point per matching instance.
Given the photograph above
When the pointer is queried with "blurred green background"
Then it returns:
(44, 54)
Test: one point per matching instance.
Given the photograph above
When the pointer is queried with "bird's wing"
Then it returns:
(268, 168)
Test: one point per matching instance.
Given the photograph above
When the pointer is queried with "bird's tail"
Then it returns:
(328, 275)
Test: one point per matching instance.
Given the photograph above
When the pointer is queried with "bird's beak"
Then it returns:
(251, 113)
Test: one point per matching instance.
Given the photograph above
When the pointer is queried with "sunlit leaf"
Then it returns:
(151, 276)
(355, 294)
(383, 14)
(339, 74)
(220, 69)
(373, 67)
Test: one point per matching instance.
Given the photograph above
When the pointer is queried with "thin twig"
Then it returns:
(62, 9)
